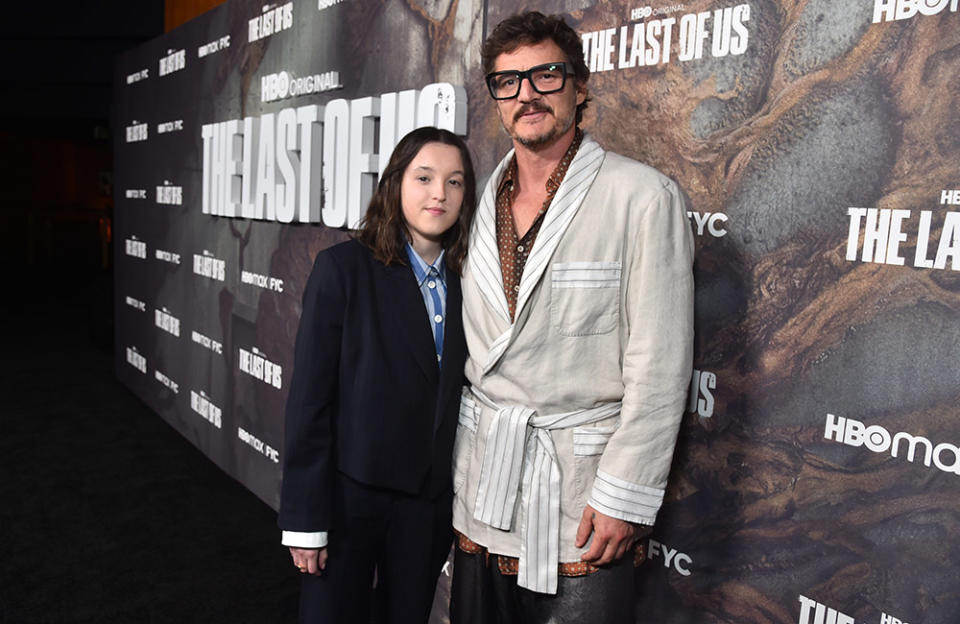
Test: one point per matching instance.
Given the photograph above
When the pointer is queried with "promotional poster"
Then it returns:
(817, 475)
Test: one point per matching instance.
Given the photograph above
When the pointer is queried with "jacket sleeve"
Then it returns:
(657, 361)
(309, 458)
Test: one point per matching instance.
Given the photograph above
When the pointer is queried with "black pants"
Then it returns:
(400, 539)
(481, 595)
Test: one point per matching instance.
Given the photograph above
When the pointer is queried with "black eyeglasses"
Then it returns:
(547, 78)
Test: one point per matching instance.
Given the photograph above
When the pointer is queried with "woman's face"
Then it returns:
(431, 194)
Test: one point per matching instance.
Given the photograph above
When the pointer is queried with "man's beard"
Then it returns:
(541, 140)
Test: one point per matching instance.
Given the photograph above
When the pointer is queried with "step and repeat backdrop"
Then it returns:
(817, 477)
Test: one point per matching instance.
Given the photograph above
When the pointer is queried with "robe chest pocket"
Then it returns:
(585, 297)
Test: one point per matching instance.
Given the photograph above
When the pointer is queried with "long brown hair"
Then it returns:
(384, 229)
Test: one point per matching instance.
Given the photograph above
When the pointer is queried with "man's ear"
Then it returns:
(582, 93)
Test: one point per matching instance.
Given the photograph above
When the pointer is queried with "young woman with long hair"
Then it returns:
(372, 410)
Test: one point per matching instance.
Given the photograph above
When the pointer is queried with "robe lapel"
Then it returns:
(485, 256)
(580, 175)
(483, 261)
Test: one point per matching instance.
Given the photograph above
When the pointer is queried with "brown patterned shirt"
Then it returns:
(514, 249)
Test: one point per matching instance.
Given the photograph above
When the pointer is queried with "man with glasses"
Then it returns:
(578, 312)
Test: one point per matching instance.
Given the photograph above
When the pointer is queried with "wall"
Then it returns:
(816, 476)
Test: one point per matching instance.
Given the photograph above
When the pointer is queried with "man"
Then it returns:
(578, 313)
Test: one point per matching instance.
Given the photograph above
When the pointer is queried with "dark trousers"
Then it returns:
(398, 539)
(480, 594)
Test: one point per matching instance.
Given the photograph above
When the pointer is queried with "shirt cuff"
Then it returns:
(624, 500)
(296, 539)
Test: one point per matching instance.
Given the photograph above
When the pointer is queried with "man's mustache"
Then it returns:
(532, 107)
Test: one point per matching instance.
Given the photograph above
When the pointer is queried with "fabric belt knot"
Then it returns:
(511, 456)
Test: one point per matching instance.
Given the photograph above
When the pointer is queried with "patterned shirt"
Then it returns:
(514, 249)
(432, 281)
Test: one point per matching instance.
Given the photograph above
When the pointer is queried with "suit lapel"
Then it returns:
(454, 347)
(404, 304)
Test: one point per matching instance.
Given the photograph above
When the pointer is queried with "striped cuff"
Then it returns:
(296, 539)
(621, 499)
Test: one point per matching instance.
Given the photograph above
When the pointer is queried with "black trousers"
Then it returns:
(397, 540)
(480, 594)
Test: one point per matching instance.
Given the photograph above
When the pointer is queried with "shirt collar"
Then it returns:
(421, 270)
(556, 176)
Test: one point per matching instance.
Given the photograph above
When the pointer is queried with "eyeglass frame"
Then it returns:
(520, 75)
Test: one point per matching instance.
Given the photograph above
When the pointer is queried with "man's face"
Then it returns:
(532, 119)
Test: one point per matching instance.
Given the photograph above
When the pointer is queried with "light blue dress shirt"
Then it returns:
(432, 281)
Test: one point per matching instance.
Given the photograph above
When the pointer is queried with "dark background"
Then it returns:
(107, 514)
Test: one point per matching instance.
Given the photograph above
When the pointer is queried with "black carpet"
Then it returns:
(106, 513)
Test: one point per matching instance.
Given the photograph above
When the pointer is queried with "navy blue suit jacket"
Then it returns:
(367, 397)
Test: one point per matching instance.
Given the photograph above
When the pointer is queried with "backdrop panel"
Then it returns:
(816, 478)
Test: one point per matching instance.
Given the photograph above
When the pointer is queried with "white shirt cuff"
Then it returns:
(297, 539)
(624, 500)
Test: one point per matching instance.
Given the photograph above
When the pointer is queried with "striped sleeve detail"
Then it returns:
(621, 499)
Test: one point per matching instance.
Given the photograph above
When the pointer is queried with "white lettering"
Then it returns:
(171, 195)
(255, 365)
(822, 614)
(693, 32)
(671, 557)
(709, 221)
(202, 405)
(166, 381)
(207, 266)
(206, 342)
(214, 46)
(700, 398)
(137, 132)
(890, 10)
(951, 197)
(167, 322)
(883, 234)
(174, 61)
(167, 256)
(256, 443)
(949, 243)
(136, 304)
(136, 360)
(135, 248)
(878, 439)
(273, 20)
(143, 74)
(275, 166)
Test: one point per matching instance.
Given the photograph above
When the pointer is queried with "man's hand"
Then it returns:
(612, 537)
(309, 560)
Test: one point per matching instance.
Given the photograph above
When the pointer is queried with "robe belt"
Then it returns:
(510, 456)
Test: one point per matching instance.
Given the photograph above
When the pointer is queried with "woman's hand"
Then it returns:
(309, 560)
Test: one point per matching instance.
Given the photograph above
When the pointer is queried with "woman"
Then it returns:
(372, 410)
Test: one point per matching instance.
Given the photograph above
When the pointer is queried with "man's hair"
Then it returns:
(531, 28)
(384, 230)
